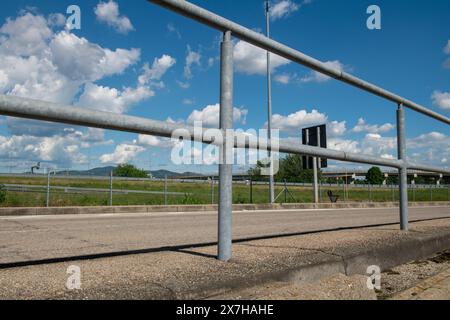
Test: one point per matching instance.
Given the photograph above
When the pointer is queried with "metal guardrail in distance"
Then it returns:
(46, 111)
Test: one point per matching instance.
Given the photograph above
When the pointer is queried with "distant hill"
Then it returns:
(98, 172)
(105, 171)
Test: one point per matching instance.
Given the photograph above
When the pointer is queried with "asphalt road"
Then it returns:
(33, 240)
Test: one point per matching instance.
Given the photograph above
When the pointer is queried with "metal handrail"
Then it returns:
(204, 16)
(53, 112)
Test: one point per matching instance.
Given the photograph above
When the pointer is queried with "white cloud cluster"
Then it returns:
(318, 77)
(251, 60)
(211, 113)
(295, 121)
(80, 60)
(447, 48)
(192, 58)
(336, 128)
(441, 99)
(111, 99)
(60, 149)
(362, 126)
(41, 60)
(282, 9)
(123, 153)
(283, 78)
(108, 12)
(156, 72)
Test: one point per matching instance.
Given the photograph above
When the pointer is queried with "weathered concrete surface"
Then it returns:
(36, 238)
(34, 211)
(335, 287)
(193, 272)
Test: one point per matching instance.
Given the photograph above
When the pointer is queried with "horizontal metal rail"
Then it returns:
(192, 11)
(52, 112)
(27, 187)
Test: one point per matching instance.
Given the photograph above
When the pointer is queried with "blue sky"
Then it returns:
(136, 58)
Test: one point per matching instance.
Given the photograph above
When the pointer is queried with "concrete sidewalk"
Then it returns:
(195, 273)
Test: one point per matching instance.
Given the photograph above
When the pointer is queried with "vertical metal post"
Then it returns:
(111, 188)
(269, 110)
(226, 150)
(431, 193)
(47, 202)
(285, 191)
(403, 172)
(370, 193)
(212, 189)
(316, 198)
(251, 190)
(165, 190)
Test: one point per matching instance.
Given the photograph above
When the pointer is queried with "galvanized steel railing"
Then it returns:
(46, 111)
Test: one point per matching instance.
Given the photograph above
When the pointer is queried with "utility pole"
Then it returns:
(269, 108)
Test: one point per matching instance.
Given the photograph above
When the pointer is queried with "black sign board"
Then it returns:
(316, 137)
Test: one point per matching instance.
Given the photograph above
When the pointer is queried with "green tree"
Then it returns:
(2, 194)
(375, 176)
(129, 171)
(255, 173)
(291, 170)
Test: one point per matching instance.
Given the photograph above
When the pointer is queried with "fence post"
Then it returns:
(165, 190)
(47, 201)
(251, 190)
(226, 150)
(285, 191)
(403, 172)
(370, 193)
(212, 190)
(431, 193)
(111, 188)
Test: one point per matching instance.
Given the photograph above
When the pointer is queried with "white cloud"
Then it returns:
(336, 128)
(282, 9)
(318, 77)
(441, 99)
(283, 78)
(56, 20)
(188, 101)
(375, 144)
(122, 154)
(172, 29)
(447, 64)
(78, 59)
(362, 126)
(64, 150)
(447, 48)
(112, 99)
(296, 121)
(251, 60)
(25, 36)
(192, 58)
(4, 80)
(108, 12)
(210, 116)
(149, 140)
(345, 145)
(159, 68)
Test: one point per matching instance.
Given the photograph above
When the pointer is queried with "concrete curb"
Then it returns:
(37, 211)
(419, 246)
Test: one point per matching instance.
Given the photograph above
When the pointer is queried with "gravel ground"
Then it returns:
(409, 275)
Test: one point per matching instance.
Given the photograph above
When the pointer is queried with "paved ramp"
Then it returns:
(33, 239)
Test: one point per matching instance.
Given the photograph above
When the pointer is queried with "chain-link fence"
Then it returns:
(59, 191)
